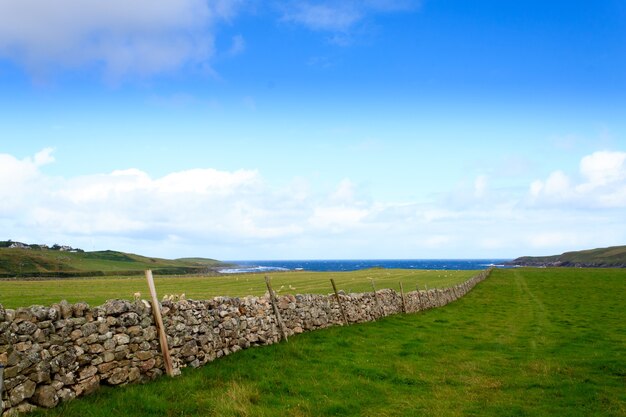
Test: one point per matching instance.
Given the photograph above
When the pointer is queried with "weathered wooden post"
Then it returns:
(275, 307)
(403, 301)
(380, 306)
(158, 320)
(420, 303)
(343, 313)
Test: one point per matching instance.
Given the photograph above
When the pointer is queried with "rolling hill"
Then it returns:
(38, 261)
(612, 257)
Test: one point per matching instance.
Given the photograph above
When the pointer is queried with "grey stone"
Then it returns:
(45, 396)
(65, 359)
(107, 367)
(144, 355)
(40, 312)
(147, 365)
(87, 372)
(66, 394)
(56, 350)
(22, 392)
(116, 307)
(87, 386)
(129, 319)
(134, 374)
(80, 308)
(65, 309)
(23, 314)
(118, 376)
(135, 331)
(89, 328)
(189, 349)
(121, 339)
(96, 348)
(40, 377)
(20, 409)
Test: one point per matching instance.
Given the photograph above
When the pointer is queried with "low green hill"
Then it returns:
(42, 262)
(612, 257)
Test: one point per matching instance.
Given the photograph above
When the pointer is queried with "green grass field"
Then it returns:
(15, 262)
(97, 290)
(525, 342)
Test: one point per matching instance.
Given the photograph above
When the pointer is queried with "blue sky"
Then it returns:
(319, 129)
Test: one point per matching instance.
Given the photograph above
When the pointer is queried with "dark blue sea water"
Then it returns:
(353, 265)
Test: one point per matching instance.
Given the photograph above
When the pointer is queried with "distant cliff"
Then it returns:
(612, 257)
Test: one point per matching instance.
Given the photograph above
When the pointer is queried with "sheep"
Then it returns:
(137, 296)
(174, 297)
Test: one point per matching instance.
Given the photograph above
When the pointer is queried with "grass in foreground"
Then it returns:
(96, 291)
(543, 342)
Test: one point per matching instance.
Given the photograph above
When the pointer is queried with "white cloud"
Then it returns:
(480, 186)
(602, 183)
(550, 239)
(603, 168)
(17, 175)
(344, 193)
(136, 37)
(339, 15)
(332, 17)
(337, 218)
(143, 37)
(237, 214)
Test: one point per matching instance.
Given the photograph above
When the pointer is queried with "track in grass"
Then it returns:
(543, 342)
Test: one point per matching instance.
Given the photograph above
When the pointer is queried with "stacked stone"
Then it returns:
(54, 354)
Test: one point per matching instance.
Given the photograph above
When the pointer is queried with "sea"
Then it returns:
(357, 264)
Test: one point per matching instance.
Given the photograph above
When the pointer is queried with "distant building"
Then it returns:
(19, 245)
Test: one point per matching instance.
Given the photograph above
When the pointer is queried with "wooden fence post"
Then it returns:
(420, 302)
(343, 313)
(156, 312)
(403, 301)
(275, 307)
(380, 306)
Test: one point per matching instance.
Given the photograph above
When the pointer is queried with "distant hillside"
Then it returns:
(40, 261)
(613, 257)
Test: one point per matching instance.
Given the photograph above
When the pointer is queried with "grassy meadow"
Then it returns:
(16, 262)
(97, 290)
(525, 342)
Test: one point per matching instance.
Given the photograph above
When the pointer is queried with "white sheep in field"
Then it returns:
(137, 296)
(174, 297)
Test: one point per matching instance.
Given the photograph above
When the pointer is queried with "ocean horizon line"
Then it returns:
(345, 265)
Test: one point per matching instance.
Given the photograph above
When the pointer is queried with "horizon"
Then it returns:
(391, 129)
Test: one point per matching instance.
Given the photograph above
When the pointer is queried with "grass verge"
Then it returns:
(525, 342)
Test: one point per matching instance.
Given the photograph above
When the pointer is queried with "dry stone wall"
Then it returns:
(57, 353)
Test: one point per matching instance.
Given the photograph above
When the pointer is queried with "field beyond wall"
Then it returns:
(97, 290)
(525, 342)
